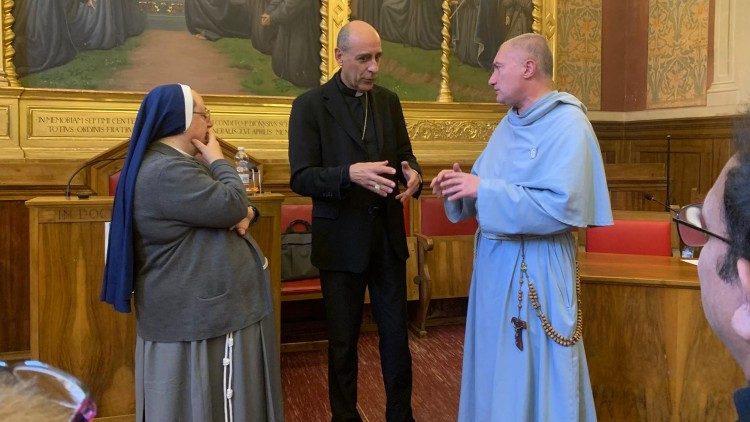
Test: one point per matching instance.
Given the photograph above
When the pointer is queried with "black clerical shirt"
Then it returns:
(356, 102)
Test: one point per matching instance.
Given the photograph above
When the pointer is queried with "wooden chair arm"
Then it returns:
(424, 243)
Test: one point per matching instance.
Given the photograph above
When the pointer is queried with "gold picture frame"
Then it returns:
(42, 123)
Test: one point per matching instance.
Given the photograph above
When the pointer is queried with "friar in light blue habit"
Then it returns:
(540, 176)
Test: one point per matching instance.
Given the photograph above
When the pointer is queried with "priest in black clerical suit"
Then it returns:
(349, 151)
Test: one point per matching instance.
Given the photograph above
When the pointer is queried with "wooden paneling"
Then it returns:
(71, 328)
(450, 263)
(699, 148)
(14, 277)
(652, 356)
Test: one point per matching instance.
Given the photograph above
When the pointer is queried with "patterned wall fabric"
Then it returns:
(677, 53)
(579, 50)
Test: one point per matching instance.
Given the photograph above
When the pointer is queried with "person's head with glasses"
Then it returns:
(34, 391)
(724, 265)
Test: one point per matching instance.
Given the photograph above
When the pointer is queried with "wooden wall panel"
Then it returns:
(449, 267)
(653, 357)
(68, 303)
(14, 277)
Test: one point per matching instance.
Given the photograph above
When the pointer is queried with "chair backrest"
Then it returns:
(291, 212)
(433, 221)
(634, 232)
(113, 179)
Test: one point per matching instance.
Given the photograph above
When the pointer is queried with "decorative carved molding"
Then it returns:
(450, 130)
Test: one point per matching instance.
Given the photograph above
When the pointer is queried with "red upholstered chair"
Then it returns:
(635, 233)
(310, 288)
(445, 250)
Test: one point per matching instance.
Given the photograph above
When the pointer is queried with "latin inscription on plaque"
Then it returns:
(118, 125)
(243, 127)
(81, 124)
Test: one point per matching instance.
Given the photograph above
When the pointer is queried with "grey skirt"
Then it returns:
(184, 381)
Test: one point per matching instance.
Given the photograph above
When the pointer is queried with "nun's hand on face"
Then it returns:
(210, 151)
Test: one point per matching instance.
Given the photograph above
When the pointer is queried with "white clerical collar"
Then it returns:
(177, 149)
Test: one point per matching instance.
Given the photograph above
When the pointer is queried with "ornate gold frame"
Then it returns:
(95, 121)
(334, 14)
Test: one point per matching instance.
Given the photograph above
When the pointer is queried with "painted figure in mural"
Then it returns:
(517, 367)
(368, 11)
(463, 31)
(104, 24)
(180, 247)
(348, 151)
(215, 19)
(296, 51)
(42, 35)
(417, 23)
(261, 37)
(490, 30)
(518, 17)
(724, 264)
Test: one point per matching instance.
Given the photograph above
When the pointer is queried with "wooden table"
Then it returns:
(651, 354)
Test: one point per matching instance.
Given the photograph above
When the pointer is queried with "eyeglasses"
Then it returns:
(691, 227)
(206, 114)
(60, 387)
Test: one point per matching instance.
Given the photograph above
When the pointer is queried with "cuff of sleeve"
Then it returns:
(256, 214)
(217, 163)
(346, 182)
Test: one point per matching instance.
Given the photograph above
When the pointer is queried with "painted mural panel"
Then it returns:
(478, 27)
(677, 53)
(411, 33)
(252, 47)
(579, 50)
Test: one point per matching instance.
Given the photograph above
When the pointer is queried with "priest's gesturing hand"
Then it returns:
(455, 184)
(413, 180)
(368, 175)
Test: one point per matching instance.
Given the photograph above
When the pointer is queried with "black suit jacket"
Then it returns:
(323, 142)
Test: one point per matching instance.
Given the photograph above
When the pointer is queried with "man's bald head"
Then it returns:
(358, 53)
(535, 47)
(352, 31)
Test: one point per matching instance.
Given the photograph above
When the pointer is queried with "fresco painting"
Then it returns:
(254, 47)
(246, 47)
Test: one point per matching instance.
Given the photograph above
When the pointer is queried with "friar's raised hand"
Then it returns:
(457, 184)
(436, 183)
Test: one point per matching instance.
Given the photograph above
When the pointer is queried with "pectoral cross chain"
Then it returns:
(519, 325)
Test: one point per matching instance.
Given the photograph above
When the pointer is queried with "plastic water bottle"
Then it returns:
(243, 167)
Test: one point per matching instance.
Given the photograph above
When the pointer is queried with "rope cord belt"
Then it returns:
(227, 378)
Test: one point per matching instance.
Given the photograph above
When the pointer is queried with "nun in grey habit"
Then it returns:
(206, 345)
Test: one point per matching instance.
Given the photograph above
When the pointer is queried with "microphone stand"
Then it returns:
(650, 197)
(84, 166)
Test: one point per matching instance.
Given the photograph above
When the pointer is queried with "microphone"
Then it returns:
(650, 197)
(84, 195)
